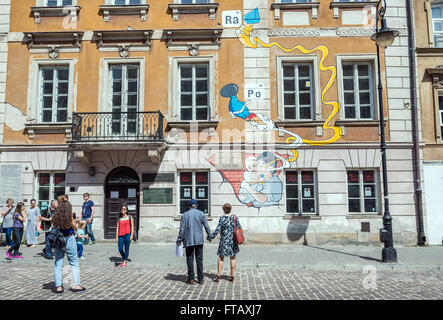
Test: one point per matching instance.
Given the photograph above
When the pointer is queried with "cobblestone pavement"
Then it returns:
(21, 280)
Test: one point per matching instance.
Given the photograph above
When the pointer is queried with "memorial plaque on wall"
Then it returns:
(158, 177)
(10, 183)
(157, 195)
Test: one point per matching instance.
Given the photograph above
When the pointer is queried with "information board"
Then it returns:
(157, 195)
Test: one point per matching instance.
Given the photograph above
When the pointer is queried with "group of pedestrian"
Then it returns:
(191, 236)
(15, 216)
(59, 218)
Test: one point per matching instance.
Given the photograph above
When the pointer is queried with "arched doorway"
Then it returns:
(122, 185)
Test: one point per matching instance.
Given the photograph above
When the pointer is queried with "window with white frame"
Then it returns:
(58, 3)
(298, 92)
(295, 1)
(125, 86)
(194, 91)
(50, 185)
(126, 2)
(54, 93)
(362, 191)
(358, 92)
(440, 113)
(300, 192)
(437, 23)
(194, 185)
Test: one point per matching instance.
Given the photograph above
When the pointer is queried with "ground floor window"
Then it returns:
(50, 185)
(362, 191)
(194, 185)
(300, 192)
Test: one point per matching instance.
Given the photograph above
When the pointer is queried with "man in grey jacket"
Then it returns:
(191, 234)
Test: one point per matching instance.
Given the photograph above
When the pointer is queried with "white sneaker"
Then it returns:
(82, 258)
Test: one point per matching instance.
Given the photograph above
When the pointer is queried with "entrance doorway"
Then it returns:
(122, 186)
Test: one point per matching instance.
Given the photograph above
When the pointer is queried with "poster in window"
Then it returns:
(187, 193)
(132, 193)
(368, 192)
(306, 192)
(132, 207)
(114, 194)
(201, 193)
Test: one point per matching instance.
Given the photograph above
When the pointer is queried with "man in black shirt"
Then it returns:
(46, 218)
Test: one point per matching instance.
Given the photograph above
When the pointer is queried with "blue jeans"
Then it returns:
(89, 230)
(79, 250)
(71, 252)
(198, 259)
(48, 249)
(124, 240)
(18, 236)
(8, 232)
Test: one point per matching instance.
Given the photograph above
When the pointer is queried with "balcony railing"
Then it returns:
(117, 126)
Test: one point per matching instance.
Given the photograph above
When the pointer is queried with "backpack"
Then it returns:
(56, 239)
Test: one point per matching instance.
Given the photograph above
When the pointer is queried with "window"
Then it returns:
(50, 185)
(194, 1)
(300, 192)
(194, 93)
(358, 95)
(58, 3)
(194, 185)
(54, 92)
(297, 91)
(362, 191)
(294, 1)
(124, 97)
(437, 24)
(440, 112)
(125, 2)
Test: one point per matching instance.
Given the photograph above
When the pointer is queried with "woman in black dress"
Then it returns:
(228, 246)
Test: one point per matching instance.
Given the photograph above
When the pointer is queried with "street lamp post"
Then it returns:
(384, 37)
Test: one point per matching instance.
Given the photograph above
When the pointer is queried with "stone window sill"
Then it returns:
(189, 125)
(358, 123)
(33, 128)
(302, 217)
(364, 216)
(277, 7)
(179, 218)
(130, 9)
(335, 5)
(177, 9)
(38, 12)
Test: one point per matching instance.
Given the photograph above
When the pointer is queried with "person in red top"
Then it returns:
(125, 233)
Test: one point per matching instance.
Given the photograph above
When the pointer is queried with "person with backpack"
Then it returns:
(228, 245)
(19, 217)
(125, 233)
(46, 217)
(64, 229)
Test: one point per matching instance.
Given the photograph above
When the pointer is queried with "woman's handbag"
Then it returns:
(238, 233)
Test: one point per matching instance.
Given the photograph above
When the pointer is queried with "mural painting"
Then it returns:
(259, 185)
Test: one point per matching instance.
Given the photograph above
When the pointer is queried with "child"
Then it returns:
(81, 235)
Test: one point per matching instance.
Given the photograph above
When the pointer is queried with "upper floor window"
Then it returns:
(194, 92)
(358, 95)
(54, 92)
(58, 3)
(298, 91)
(437, 24)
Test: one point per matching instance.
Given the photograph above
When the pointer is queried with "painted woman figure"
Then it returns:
(228, 246)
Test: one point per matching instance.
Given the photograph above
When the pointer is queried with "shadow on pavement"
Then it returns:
(183, 278)
(349, 254)
(49, 286)
(116, 260)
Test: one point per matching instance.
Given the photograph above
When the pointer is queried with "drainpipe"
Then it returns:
(421, 241)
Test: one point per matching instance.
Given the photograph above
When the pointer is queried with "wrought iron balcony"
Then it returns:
(117, 126)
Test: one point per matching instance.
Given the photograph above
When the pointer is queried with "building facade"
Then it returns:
(268, 105)
(429, 47)
(4, 30)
